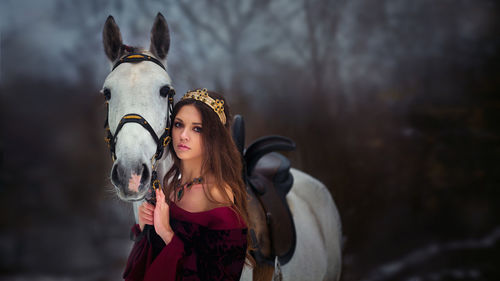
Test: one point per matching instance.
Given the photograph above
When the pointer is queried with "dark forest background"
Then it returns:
(394, 106)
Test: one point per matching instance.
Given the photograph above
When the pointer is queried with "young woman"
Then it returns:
(200, 216)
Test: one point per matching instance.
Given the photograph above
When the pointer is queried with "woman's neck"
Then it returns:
(190, 169)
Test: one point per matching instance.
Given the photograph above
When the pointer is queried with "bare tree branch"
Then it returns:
(195, 19)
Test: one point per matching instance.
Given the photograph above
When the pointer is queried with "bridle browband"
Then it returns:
(137, 57)
(161, 142)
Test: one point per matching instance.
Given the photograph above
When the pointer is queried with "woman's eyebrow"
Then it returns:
(193, 123)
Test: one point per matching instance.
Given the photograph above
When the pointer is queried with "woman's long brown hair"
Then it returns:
(221, 159)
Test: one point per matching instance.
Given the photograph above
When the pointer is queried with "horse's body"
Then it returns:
(317, 223)
(134, 88)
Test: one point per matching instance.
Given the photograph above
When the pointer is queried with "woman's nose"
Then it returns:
(184, 135)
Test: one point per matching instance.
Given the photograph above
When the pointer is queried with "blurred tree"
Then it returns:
(228, 29)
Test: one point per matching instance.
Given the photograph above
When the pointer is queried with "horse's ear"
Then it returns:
(112, 39)
(160, 37)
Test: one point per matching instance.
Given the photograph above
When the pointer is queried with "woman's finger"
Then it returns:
(147, 211)
(147, 216)
(160, 195)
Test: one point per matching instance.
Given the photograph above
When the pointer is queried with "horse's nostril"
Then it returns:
(114, 175)
(145, 174)
(117, 176)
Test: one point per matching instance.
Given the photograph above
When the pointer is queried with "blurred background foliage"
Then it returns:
(394, 106)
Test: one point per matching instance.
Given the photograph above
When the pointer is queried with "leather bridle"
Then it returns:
(161, 142)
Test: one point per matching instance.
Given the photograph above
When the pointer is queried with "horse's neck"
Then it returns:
(163, 166)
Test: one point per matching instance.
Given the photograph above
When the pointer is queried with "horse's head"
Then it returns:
(137, 92)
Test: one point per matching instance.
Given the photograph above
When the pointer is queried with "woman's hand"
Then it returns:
(161, 217)
(146, 211)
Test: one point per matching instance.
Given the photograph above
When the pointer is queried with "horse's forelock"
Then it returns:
(127, 50)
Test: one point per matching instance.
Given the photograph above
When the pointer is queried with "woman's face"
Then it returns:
(186, 133)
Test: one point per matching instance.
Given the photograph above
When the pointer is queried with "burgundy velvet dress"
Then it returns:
(209, 245)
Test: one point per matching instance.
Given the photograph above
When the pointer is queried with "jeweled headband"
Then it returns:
(216, 104)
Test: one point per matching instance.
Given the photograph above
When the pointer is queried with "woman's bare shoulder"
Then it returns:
(218, 195)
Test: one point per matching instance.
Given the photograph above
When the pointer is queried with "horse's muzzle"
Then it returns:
(131, 181)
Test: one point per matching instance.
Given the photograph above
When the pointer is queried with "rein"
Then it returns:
(161, 142)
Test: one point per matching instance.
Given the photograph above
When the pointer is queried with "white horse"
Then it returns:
(137, 88)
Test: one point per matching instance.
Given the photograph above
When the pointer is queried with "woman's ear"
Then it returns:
(160, 37)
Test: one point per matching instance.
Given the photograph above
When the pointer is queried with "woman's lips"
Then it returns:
(183, 147)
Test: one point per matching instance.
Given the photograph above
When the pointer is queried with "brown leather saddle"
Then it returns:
(268, 180)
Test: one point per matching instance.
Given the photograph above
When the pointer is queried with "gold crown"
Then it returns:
(216, 104)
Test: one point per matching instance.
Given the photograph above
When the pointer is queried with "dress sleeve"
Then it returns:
(142, 263)
(165, 265)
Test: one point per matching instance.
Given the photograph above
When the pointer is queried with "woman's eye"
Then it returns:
(178, 124)
(197, 129)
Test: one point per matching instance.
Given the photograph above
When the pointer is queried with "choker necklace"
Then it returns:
(187, 185)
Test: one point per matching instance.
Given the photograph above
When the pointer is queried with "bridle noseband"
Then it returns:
(161, 142)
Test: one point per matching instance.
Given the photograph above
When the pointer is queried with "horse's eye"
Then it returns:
(166, 91)
(107, 94)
